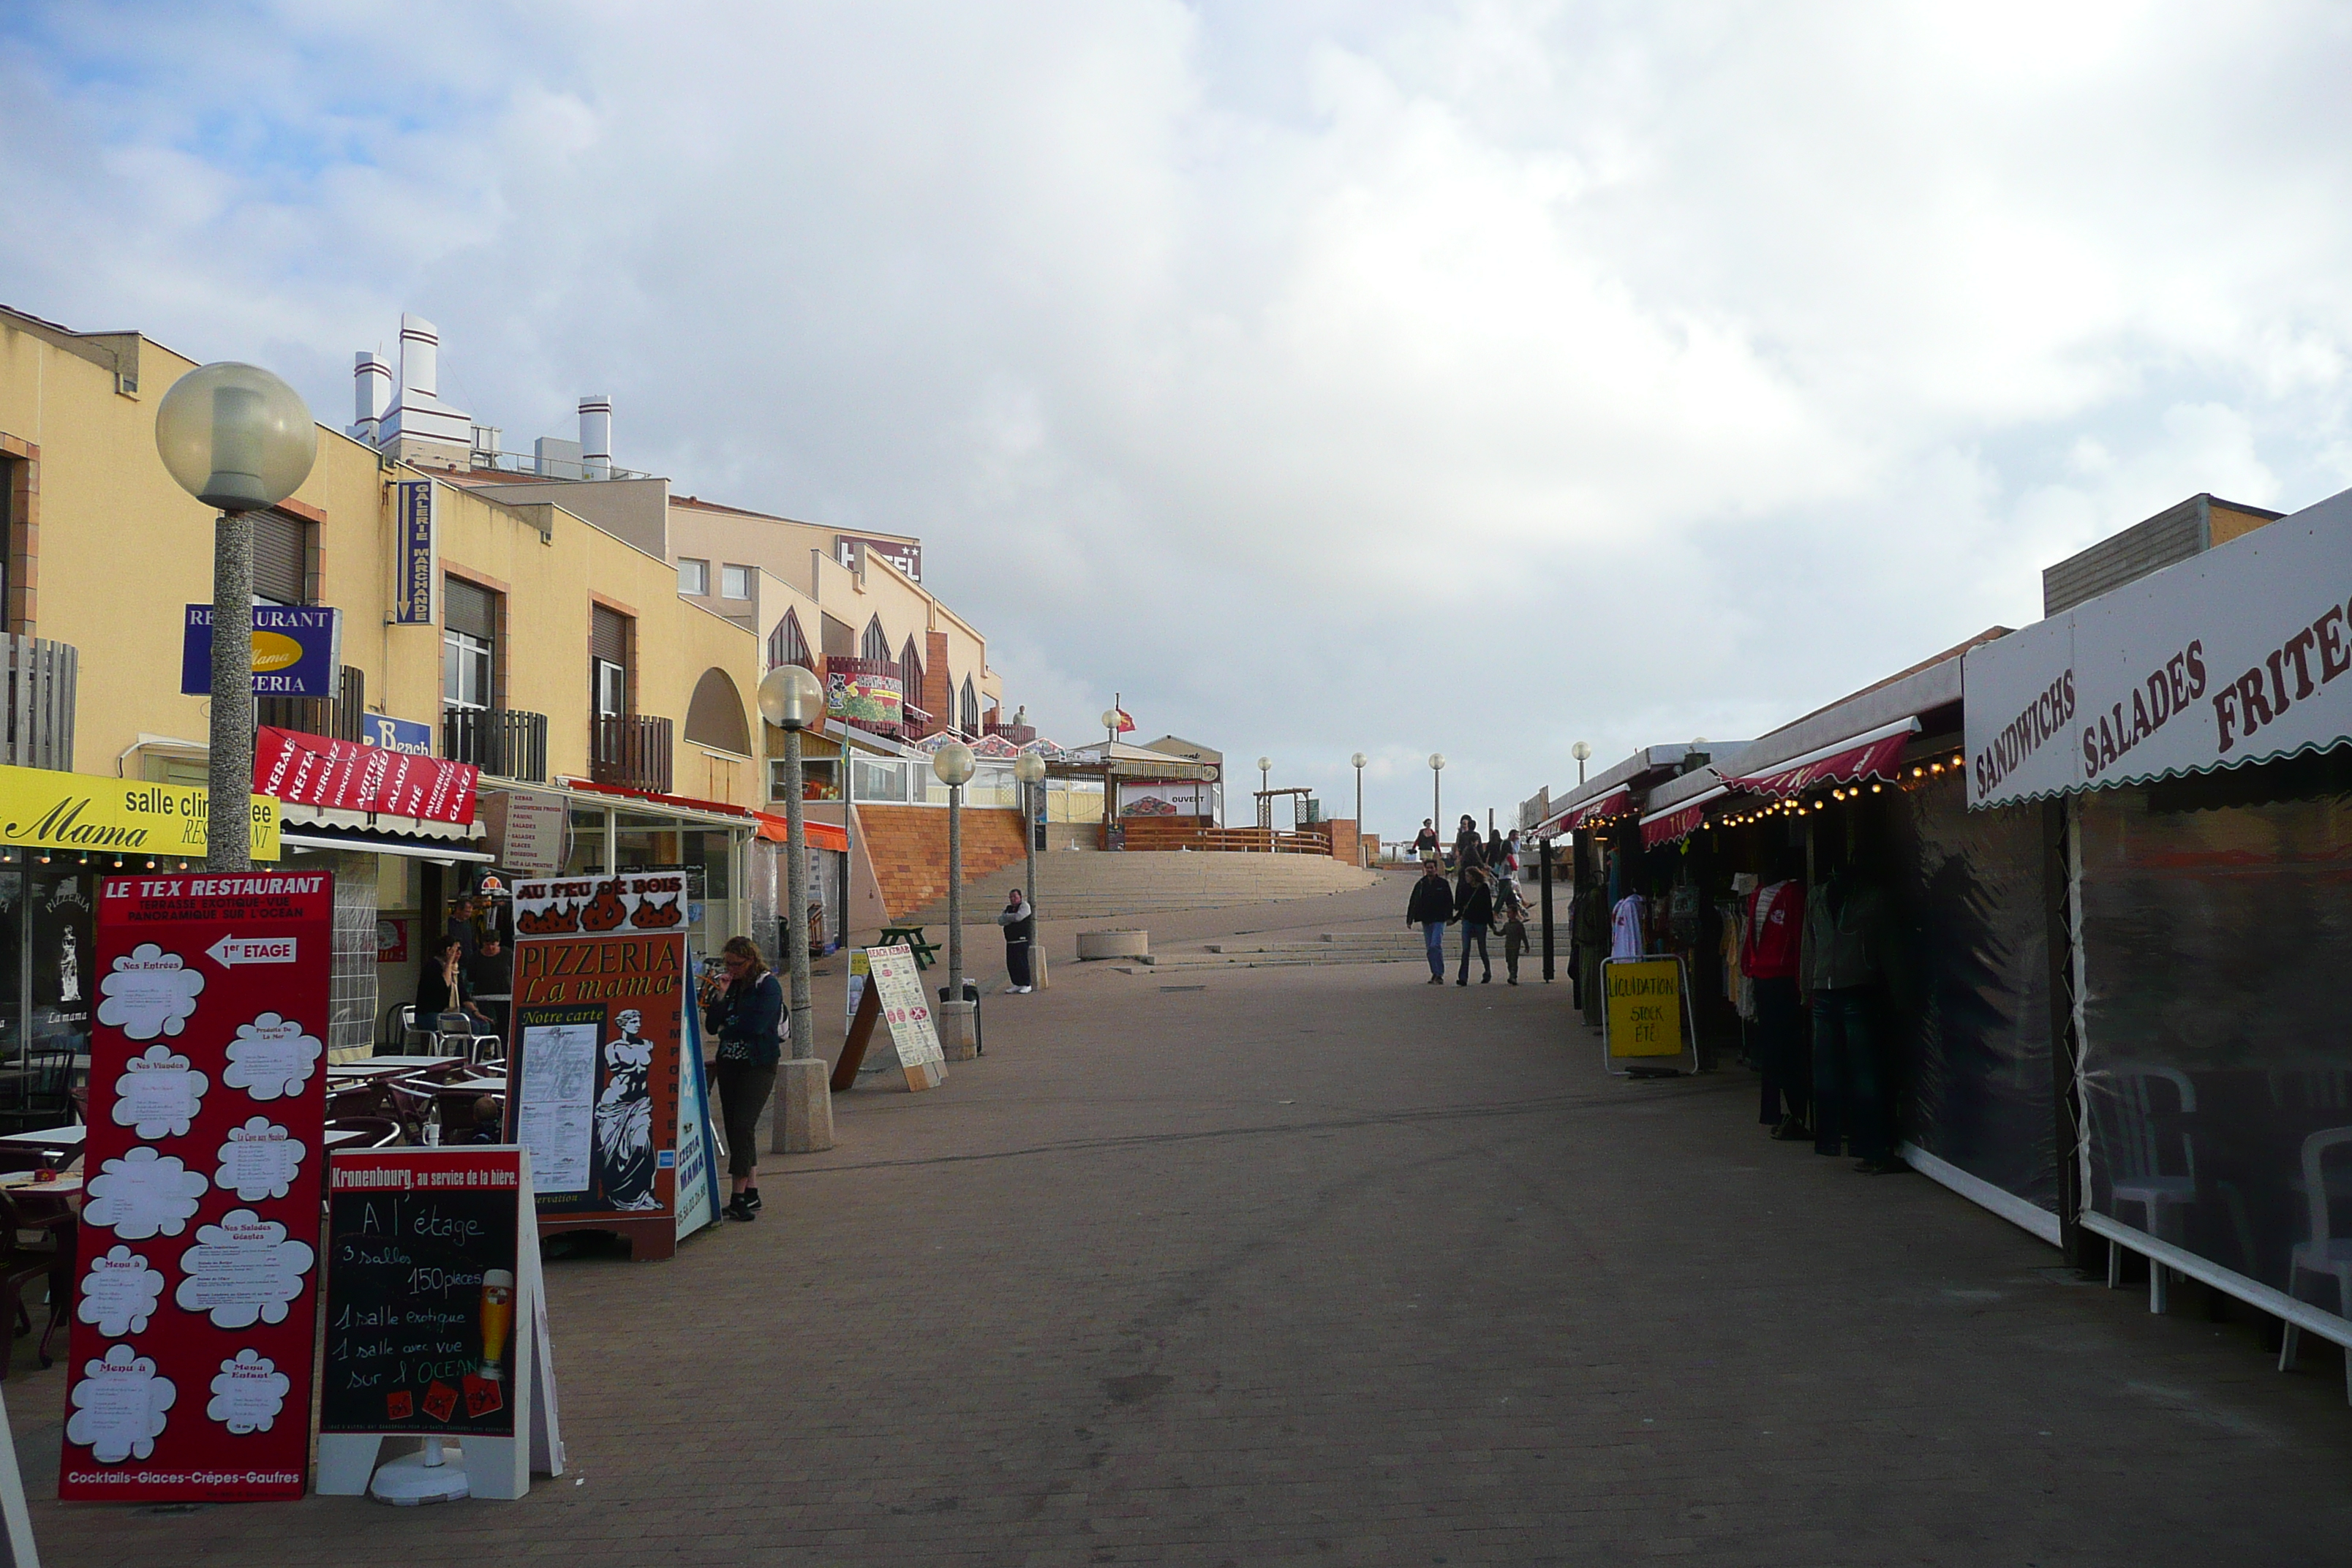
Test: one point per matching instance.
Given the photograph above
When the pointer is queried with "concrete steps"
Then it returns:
(1330, 947)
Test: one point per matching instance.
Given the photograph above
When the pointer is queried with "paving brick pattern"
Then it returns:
(1324, 1266)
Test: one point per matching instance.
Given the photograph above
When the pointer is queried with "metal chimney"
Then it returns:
(371, 396)
(596, 437)
(420, 357)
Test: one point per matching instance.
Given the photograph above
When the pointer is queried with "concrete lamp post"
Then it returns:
(1581, 753)
(1030, 769)
(959, 1039)
(792, 699)
(1437, 798)
(1357, 762)
(239, 440)
(1264, 801)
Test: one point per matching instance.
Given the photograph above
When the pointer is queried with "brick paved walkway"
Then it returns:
(1324, 1266)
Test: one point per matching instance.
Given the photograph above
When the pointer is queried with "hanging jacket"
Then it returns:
(1776, 929)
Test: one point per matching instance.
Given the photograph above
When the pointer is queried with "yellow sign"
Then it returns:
(41, 809)
(1644, 1000)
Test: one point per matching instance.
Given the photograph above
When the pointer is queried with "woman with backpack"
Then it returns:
(745, 1012)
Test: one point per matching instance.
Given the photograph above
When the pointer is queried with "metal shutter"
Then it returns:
(468, 609)
(282, 563)
(608, 635)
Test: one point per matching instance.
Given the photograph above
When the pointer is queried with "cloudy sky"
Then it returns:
(1473, 377)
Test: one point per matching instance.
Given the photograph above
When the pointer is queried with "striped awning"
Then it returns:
(1614, 803)
(1866, 756)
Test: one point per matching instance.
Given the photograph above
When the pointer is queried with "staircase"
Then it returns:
(1080, 884)
(1264, 952)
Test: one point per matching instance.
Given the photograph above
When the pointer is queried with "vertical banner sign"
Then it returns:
(594, 1073)
(413, 598)
(196, 1289)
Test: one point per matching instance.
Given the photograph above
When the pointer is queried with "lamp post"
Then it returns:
(953, 764)
(792, 699)
(1358, 761)
(1580, 751)
(1266, 801)
(1111, 732)
(1030, 769)
(239, 440)
(1437, 799)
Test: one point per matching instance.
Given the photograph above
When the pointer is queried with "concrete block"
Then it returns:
(803, 1107)
(958, 1030)
(1113, 944)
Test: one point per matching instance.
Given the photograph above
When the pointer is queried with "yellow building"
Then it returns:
(556, 654)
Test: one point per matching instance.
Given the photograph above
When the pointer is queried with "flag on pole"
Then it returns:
(1125, 723)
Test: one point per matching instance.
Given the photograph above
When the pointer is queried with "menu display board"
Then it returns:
(436, 1321)
(422, 1255)
(598, 1073)
(190, 1373)
(894, 997)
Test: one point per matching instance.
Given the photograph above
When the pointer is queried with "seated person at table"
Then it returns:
(441, 987)
(488, 1128)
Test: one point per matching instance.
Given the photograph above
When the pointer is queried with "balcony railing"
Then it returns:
(339, 718)
(632, 750)
(40, 677)
(508, 742)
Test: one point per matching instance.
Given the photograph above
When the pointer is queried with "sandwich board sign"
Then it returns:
(436, 1321)
(1646, 1023)
(893, 995)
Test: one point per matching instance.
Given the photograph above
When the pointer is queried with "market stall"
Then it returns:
(2193, 725)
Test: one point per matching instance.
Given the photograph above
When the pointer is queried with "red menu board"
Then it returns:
(198, 1287)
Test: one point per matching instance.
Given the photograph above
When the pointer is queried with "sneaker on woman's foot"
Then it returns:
(737, 1209)
(749, 1197)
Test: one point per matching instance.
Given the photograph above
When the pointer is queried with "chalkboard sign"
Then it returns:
(436, 1323)
(422, 1267)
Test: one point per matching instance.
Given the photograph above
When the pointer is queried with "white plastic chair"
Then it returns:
(2325, 1253)
(2136, 1162)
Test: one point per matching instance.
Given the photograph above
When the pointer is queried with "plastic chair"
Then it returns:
(2131, 1129)
(21, 1263)
(381, 1132)
(2325, 1253)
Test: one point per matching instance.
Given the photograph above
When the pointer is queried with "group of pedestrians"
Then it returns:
(1483, 898)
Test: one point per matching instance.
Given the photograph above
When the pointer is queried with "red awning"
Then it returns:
(1672, 826)
(1611, 805)
(815, 834)
(1875, 758)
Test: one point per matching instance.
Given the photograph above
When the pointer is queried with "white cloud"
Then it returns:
(1472, 377)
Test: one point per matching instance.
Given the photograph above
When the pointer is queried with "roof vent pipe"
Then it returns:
(420, 357)
(596, 437)
(370, 395)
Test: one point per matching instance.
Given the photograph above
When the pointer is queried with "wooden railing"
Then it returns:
(632, 752)
(338, 718)
(40, 676)
(506, 742)
(1142, 833)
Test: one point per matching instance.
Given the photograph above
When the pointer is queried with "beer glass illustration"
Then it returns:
(497, 1320)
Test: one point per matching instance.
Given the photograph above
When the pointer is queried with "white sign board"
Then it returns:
(898, 983)
(2236, 655)
(527, 833)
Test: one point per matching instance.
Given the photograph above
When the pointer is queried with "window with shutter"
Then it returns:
(281, 559)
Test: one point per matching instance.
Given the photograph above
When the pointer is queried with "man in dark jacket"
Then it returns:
(1474, 904)
(1431, 907)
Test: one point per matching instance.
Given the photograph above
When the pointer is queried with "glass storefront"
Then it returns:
(46, 901)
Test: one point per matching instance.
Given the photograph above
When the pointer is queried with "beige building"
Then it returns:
(556, 655)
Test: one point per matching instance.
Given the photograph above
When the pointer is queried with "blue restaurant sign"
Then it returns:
(396, 734)
(413, 601)
(297, 650)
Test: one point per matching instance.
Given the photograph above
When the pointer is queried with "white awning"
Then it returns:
(448, 855)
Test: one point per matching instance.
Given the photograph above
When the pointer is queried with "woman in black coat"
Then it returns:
(1469, 849)
(743, 1007)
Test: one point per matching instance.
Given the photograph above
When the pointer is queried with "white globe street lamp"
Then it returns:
(239, 440)
(954, 766)
(1030, 769)
(792, 700)
(1266, 801)
(1580, 751)
(1437, 799)
(1358, 762)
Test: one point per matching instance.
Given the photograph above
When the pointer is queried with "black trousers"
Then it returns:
(1016, 961)
(1782, 1052)
(743, 1092)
